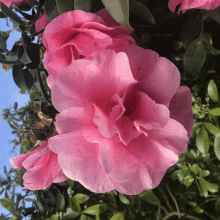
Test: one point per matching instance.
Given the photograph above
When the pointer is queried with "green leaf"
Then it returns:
(119, 10)
(214, 14)
(40, 207)
(191, 29)
(6, 195)
(60, 205)
(3, 44)
(204, 173)
(123, 199)
(141, 10)
(70, 182)
(1, 191)
(85, 217)
(8, 12)
(212, 129)
(7, 204)
(22, 55)
(70, 214)
(92, 210)
(15, 105)
(202, 140)
(22, 77)
(211, 187)
(204, 191)
(54, 217)
(194, 57)
(208, 46)
(84, 5)
(51, 10)
(5, 35)
(74, 204)
(150, 197)
(194, 168)
(81, 198)
(217, 146)
(64, 6)
(3, 60)
(197, 209)
(213, 91)
(118, 216)
(215, 111)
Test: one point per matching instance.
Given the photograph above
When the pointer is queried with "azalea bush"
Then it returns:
(123, 120)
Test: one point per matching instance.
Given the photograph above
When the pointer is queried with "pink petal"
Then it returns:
(181, 108)
(159, 78)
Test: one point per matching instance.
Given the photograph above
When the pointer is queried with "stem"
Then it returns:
(158, 213)
(167, 201)
(164, 210)
(176, 204)
(12, 30)
(212, 217)
(175, 213)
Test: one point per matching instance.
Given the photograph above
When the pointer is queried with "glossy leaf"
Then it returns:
(141, 10)
(84, 5)
(215, 111)
(92, 210)
(191, 29)
(85, 217)
(194, 57)
(217, 146)
(202, 140)
(213, 91)
(51, 9)
(123, 199)
(204, 173)
(64, 6)
(150, 197)
(119, 10)
(118, 216)
(81, 198)
(60, 204)
(209, 186)
(70, 214)
(74, 204)
(8, 12)
(212, 129)
(208, 46)
(22, 77)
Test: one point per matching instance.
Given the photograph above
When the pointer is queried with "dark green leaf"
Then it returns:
(119, 10)
(8, 12)
(195, 168)
(5, 35)
(202, 140)
(150, 197)
(217, 146)
(204, 191)
(51, 9)
(1, 191)
(123, 199)
(64, 6)
(81, 198)
(22, 55)
(70, 182)
(40, 207)
(92, 210)
(85, 217)
(3, 44)
(15, 105)
(74, 204)
(194, 57)
(191, 29)
(215, 111)
(213, 91)
(60, 205)
(22, 77)
(214, 14)
(204, 173)
(208, 46)
(141, 10)
(84, 5)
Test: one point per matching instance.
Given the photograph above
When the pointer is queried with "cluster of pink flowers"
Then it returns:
(124, 117)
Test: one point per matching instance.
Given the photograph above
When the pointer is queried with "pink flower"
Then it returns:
(189, 4)
(41, 23)
(17, 2)
(80, 35)
(42, 167)
(123, 121)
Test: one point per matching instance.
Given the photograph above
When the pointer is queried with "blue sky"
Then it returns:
(9, 95)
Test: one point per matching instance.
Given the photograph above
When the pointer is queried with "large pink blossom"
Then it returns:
(189, 4)
(81, 35)
(123, 120)
(17, 2)
(42, 167)
(41, 23)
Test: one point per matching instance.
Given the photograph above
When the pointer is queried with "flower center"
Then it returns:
(128, 111)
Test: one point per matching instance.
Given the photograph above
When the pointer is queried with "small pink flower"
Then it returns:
(17, 2)
(42, 167)
(41, 23)
(189, 4)
(123, 120)
(80, 35)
